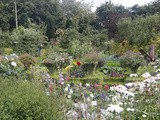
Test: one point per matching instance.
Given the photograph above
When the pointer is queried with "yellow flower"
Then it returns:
(68, 67)
(74, 63)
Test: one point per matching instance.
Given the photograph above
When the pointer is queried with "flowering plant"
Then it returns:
(10, 66)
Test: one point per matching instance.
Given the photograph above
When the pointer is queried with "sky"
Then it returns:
(127, 3)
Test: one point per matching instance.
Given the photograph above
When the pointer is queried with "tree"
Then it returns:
(109, 14)
(39, 11)
(139, 31)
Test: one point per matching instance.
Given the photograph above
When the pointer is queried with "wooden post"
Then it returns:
(152, 52)
(16, 18)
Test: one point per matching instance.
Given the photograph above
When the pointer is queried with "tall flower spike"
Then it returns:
(61, 79)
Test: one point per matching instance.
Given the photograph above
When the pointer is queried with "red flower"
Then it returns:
(106, 87)
(78, 63)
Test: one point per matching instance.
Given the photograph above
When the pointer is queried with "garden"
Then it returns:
(64, 62)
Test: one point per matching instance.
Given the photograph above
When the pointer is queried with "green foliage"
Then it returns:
(70, 35)
(5, 40)
(39, 11)
(140, 30)
(79, 49)
(27, 40)
(112, 67)
(147, 68)
(112, 63)
(79, 44)
(27, 101)
(132, 60)
(98, 78)
(109, 70)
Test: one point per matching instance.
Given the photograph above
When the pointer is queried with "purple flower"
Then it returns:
(61, 79)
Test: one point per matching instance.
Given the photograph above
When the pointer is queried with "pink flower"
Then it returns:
(67, 78)
(96, 85)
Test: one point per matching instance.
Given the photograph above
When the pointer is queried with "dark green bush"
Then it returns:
(132, 60)
(23, 100)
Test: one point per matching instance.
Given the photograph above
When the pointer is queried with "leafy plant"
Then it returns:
(132, 60)
(25, 100)
(112, 68)
(27, 40)
(147, 68)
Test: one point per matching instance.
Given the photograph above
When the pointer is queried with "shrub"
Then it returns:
(132, 60)
(56, 59)
(139, 31)
(27, 40)
(78, 48)
(147, 68)
(27, 60)
(23, 100)
(5, 40)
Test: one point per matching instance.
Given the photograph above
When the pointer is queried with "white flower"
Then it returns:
(66, 89)
(69, 96)
(72, 114)
(6, 58)
(91, 95)
(133, 75)
(14, 64)
(129, 109)
(158, 76)
(146, 75)
(94, 103)
(115, 108)
(47, 93)
(75, 105)
(71, 91)
(83, 106)
(127, 94)
(87, 85)
(144, 115)
(116, 98)
(150, 80)
(62, 83)
(80, 84)
(130, 84)
(88, 99)
(157, 70)
(105, 113)
(118, 88)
